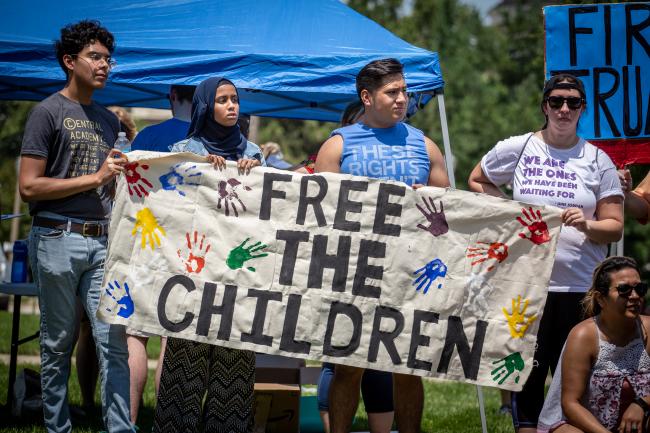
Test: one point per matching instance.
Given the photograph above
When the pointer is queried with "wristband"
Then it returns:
(645, 406)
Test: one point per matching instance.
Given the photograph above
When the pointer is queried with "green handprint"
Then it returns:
(511, 363)
(241, 254)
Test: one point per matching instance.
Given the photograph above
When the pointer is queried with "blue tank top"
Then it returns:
(396, 153)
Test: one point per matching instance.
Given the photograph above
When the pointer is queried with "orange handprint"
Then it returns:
(496, 250)
(194, 263)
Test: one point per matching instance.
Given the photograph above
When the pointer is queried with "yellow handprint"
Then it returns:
(517, 321)
(145, 219)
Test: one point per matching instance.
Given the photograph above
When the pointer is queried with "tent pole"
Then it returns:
(449, 157)
(449, 160)
(253, 129)
(15, 223)
(619, 250)
(481, 407)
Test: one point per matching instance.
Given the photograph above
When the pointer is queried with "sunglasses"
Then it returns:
(625, 289)
(573, 102)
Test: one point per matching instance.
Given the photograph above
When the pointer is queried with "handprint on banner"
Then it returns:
(228, 195)
(510, 364)
(195, 260)
(127, 307)
(145, 220)
(135, 181)
(176, 181)
(241, 254)
(479, 292)
(428, 274)
(536, 226)
(517, 320)
(494, 251)
(437, 221)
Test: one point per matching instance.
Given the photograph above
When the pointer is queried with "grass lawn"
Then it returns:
(449, 407)
(29, 324)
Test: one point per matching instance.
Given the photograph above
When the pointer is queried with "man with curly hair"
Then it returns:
(67, 173)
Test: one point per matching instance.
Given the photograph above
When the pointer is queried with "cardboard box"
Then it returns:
(277, 408)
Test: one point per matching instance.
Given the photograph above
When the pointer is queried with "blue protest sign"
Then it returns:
(608, 47)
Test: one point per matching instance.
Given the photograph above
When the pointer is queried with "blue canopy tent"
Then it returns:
(294, 59)
(290, 58)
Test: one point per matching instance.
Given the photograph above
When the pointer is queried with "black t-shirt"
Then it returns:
(75, 139)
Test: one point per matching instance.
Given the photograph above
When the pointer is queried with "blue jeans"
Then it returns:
(66, 265)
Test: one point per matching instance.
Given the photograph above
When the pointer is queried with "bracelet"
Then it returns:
(644, 405)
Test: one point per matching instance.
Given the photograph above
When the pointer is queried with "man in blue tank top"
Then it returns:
(381, 146)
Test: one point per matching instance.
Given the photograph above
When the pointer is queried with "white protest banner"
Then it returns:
(434, 282)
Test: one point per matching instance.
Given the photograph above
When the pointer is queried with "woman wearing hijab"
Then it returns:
(191, 369)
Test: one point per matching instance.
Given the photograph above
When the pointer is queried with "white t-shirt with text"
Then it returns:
(544, 175)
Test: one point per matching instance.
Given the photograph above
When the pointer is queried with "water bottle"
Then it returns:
(19, 262)
(122, 143)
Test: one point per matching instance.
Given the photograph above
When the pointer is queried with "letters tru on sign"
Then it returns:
(599, 24)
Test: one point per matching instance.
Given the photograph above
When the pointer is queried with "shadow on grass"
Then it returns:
(92, 422)
(448, 408)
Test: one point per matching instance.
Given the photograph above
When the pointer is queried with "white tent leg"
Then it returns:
(481, 408)
(618, 251)
(449, 160)
(449, 157)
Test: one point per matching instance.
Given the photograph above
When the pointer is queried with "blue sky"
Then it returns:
(482, 5)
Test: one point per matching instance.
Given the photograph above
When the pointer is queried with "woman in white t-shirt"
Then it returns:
(553, 166)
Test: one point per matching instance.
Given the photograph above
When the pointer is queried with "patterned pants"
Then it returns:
(190, 370)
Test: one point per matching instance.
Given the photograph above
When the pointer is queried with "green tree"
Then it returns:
(13, 115)
(298, 138)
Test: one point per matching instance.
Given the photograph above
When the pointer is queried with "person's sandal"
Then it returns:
(505, 409)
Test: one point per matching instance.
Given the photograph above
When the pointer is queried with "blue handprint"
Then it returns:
(125, 302)
(173, 180)
(429, 273)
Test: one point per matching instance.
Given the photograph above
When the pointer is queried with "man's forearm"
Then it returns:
(49, 188)
(636, 205)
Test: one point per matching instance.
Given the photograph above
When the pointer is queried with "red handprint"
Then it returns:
(535, 225)
(133, 178)
(495, 250)
(194, 263)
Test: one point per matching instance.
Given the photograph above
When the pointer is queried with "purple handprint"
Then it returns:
(437, 221)
(228, 194)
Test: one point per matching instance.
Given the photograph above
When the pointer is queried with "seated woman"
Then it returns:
(604, 384)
